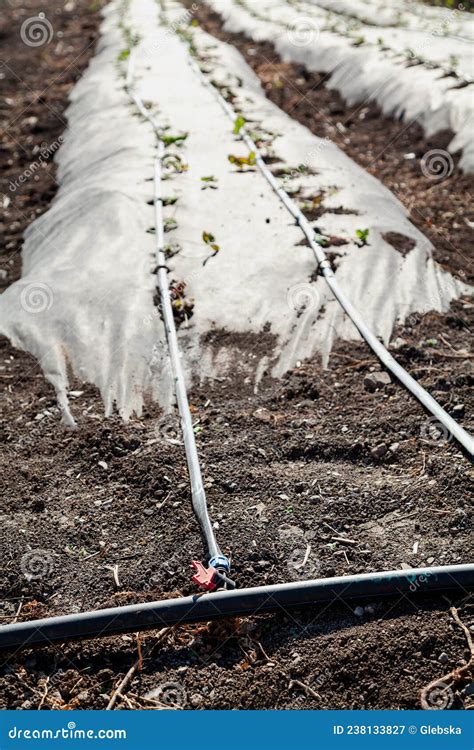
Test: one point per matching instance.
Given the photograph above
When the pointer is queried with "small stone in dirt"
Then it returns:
(430, 560)
(263, 415)
(443, 658)
(196, 699)
(103, 464)
(375, 380)
(379, 450)
(359, 611)
(229, 486)
(397, 343)
(38, 505)
(394, 447)
(458, 410)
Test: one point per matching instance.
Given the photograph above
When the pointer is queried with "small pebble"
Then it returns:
(443, 658)
(359, 611)
(379, 450)
(375, 380)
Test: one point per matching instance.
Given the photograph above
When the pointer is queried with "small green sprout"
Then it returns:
(362, 235)
(123, 55)
(243, 161)
(238, 125)
(210, 240)
(210, 182)
(170, 224)
(169, 140)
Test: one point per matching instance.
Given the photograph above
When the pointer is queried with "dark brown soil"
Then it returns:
(35, 83)
(289, 467)
(439, 208)
(314, 457)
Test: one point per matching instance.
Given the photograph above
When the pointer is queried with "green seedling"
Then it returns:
(238, 125)
(123, 55)
(170, 140)
(172, 249)
(170, 224)
(210, 240)
(243, 161)
(209, 181)
(362, 235)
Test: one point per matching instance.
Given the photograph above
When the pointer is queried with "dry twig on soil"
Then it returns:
(457, 675)
(134, 669)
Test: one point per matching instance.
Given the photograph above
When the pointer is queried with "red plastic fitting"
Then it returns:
(204, 577)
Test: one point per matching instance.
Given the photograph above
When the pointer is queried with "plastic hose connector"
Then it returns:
(220, 561)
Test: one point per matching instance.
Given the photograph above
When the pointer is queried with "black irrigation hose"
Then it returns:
(238, 603)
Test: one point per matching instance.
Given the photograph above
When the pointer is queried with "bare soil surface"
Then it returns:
(323, 467)
(35, 81)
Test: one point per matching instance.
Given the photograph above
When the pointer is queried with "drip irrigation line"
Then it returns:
(314, 240)
(217, 560)
(240, 603)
